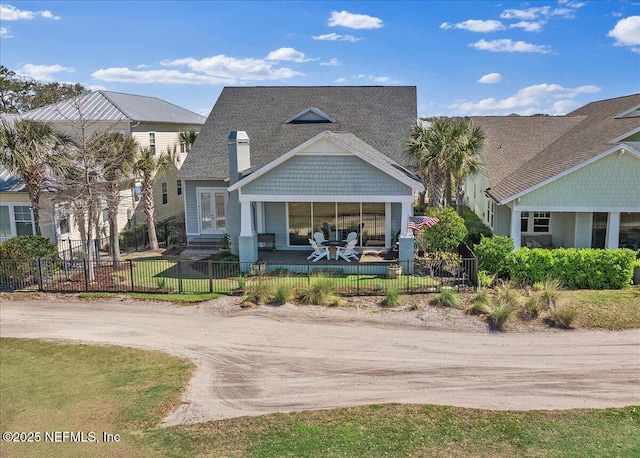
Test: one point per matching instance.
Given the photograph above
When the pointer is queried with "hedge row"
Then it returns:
(576, 269)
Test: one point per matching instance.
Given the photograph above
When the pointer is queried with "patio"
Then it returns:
(378, 257)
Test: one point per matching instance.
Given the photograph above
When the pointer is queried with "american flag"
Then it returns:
(416, 222)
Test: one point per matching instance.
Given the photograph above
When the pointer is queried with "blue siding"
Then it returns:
(191, 202)
(326, 175)
(275, 221)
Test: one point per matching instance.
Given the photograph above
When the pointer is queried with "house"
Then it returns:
(291, 161)
(563, 181)
(153, 122)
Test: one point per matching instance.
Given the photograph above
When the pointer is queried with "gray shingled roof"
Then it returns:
(521, 152)
(113, 107)
(381, 116)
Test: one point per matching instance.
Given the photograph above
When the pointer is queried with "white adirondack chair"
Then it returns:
(352, 236)
(319, 251)
(347, 252)
(319, 238)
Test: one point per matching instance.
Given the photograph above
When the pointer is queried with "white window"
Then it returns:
(535, 222)
(165, 194)
(5, 222)
(179, 187)
(183, 147)
(63, 219)
(24, 220)
(152, 142)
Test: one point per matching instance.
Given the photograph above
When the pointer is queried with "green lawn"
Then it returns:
(608, 309)
(47, 386)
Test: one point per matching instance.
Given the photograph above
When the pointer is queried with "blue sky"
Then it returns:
(464, 57)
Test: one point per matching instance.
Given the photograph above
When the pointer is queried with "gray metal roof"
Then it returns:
(114, 107)
(10, 182)
(523, 151)
(381, 116)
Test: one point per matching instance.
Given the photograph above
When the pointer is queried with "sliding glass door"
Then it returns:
(335, 220)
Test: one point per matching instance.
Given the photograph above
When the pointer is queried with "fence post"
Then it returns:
(357, 279)
(86, 274)
(210, 276)
(39, 272)
(131, 273)
(179, 268)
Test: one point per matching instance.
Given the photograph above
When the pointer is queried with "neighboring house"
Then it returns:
(563, 181)
(153, 122)
(292, 161)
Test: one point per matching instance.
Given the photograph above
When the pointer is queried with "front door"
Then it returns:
(211, 211)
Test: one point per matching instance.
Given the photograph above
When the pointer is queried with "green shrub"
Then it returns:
(476, 228)
(393, 297)
(530, 309)
(531, 265)
(447, 298)
(485, 279)
(506, 294)
(575, 268)
(27, 247)
(480, 304)
(446, 235)
(321, 291)
(225, 255)
(284, 293)
(495, 255)
(562, 316)
(501, 315)
(259, 293)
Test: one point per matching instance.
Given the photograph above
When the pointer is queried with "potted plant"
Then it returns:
(394, 271)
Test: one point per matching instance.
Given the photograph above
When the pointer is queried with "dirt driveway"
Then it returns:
(278, 359)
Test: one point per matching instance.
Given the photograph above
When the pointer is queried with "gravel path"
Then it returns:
(289, 358)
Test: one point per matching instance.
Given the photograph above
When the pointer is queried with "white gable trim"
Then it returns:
(320, 113)
(625, 135)
(413, 184)
(628, 112)
(620, 149)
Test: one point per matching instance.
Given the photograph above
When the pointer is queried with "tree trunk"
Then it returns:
(147, 195)
(437, 182)
(459, 196)
(113, 202)
(447, 190)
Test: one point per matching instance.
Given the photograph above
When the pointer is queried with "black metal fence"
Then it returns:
(208, 276)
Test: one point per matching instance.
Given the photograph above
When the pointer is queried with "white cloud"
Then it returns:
(96, 87)
(288, 54)
(475, 25)
(232, 69)
(354, 21)
(528, 26)
(627, 33)
(218, 69)
(542, 11)
(43, 72)
(491, 78)
(125, 75)
(546, 98)
(340, 80)
(11, 13)
(507, 45)
(4, 32)
(332, 63)
(336, 37)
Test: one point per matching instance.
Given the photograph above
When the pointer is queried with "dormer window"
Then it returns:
(310, 115)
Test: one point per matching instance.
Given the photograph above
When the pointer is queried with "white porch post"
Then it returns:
(404, 219)
(515, 229)
(246, 225)
(613, 230)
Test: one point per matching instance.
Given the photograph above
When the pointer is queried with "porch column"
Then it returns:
(516, 234)
(613, 230)
(247, 241)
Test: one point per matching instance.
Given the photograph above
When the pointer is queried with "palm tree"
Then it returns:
(465, 160)
(117, 154)
(148, 167)
(188, 138)
(429, 144)
(31, 150)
